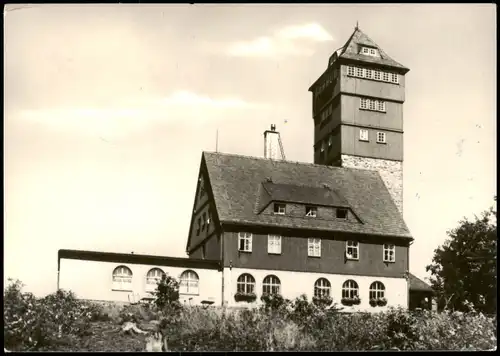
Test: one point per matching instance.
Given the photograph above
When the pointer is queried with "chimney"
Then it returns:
(272, 144)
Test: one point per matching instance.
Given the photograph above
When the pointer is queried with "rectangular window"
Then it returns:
(386, 77)
(203, 251)
(365, 50)
(389, 253)
(245, 242)
(352, 250)
(394, 78)
(381, 137)
(359, 72)
(314, 247)
(363, 135)
(350, 71)
(376, 75)
(311, 211)
(372, 104)
(381, 106)
(364, 103)
(280, 208)
(369, 73)
(373, 52)
(341, 213)
(274, 244)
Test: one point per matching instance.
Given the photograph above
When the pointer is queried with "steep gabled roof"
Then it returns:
(353, 45)
(239, 185)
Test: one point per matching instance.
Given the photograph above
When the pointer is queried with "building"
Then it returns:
(268, 225)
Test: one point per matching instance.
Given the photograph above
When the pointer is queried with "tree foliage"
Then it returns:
(463, 269)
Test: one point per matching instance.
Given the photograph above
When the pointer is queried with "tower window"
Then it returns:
(377, 75)
(341, 214)
(350, 71)
(352, 250)
(386, 77)
(389, 253)
(363, 135)
(311, 211)
(330, 139)
(370, 104)
(279, 209)
(359, 72)
(394, 78)
(381, 137)
(368, 73)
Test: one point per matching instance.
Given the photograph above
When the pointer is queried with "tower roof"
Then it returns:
(351, 50)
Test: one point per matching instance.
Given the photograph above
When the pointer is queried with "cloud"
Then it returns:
(181, 107)
(290, 40)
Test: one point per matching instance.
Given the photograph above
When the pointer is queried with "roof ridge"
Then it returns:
(290, 162)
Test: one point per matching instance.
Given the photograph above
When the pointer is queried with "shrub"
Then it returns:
(322, 301)
(32, 324)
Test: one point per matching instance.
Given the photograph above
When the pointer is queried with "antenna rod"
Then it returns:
(217, 141)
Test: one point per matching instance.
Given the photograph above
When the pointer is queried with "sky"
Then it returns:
(107, 109)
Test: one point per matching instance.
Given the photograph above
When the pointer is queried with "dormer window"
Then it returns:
(341, 213)
(311, 211)
(279, 209)
(369, 51)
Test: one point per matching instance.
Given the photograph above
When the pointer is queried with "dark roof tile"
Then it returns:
(235, 182)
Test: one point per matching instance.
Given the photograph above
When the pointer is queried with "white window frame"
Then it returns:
(274, 244)
(153, 277)
(271, 285)
(381, 105)
(280, 211)
(350, 289)
(363, 104)
(369, 73)
(313, 211)
(314, 247)
(377, 290)
(365, 50)
(359, 72)
(372, 105)
(394, 78)
(377, 75)
(381, 137)
(189, 283)
(122, 278)
(352, 250)
(373, 52)
(385, 76)
(246, 238)
(363, 135)
(322, 287)
(389, 253)
(351, 71)
(245, 283)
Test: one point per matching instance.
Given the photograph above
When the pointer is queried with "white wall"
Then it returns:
(293, 284)
(93, 280)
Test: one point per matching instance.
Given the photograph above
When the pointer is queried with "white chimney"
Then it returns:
(272, 144)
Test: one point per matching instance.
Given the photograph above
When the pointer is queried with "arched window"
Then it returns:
(322, 288)
(122, 278)
(189, 283)
(271, 285)
(245, 284)
(153, 278)
(350, 289)
(377, 290)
